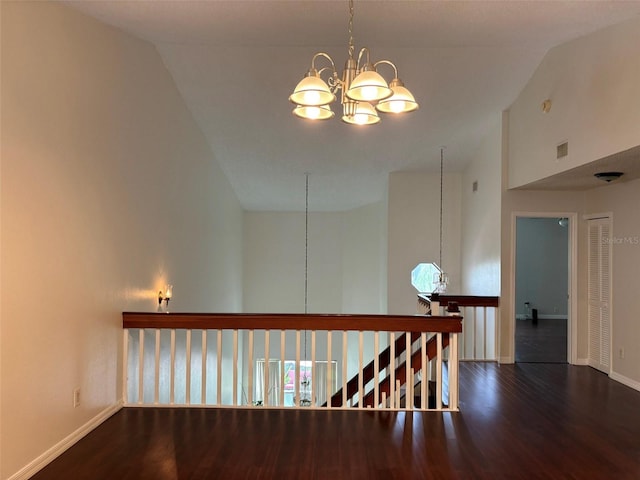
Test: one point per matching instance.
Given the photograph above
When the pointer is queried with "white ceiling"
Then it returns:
(236, 62)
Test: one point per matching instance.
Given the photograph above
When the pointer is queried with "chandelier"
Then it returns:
(364, 92)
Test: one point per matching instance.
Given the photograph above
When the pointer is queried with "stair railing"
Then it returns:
(479, 339)
(219, 360)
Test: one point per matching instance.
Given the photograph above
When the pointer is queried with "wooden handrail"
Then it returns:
(292, 321)
(462, 300)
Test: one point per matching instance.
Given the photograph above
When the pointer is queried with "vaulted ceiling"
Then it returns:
(236, 62)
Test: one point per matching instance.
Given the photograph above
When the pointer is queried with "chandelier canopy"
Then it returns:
(364, 92)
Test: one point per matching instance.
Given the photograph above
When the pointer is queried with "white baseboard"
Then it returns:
(625, 381)
(62, 446)
(582, 362)
(506, 360)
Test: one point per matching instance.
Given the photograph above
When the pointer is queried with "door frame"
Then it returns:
(572, 278)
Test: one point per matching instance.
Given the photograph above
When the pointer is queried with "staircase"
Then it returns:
(384, 390)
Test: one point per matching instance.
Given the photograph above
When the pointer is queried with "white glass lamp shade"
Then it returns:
(364, 114)
(312, 91)
(401, 101)
(369, 86)
(323, 112)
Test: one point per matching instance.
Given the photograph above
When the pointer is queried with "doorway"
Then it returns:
(542, 273)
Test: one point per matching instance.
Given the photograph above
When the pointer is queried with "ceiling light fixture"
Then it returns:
(364, 91)
(608, 176)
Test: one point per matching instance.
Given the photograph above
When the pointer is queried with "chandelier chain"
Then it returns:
(351, 42)
(306, 241)
(441, 191)
(306, 254)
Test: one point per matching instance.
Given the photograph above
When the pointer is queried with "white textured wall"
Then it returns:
(344, 269)
(481, 217)
(413, 226)
(109, 190)
(531, 203)
(623, 199)
(593, 83)
(535, 203)
(364, 259)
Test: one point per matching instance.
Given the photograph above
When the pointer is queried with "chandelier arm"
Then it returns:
(323, 69)
(362, 50)
(323, 55)
(386, 62)
(334, 81)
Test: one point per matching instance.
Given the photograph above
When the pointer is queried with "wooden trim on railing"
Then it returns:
(293, 321)
(462, 300)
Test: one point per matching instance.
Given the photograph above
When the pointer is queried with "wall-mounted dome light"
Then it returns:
(608, 176)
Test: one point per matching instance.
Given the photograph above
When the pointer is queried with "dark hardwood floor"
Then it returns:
(522, 421)
(544, 341)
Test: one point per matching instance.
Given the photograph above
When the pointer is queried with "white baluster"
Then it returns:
(219, 369)
(328, 389)
(265, 400)
(297, 379)
(250, 369)
(407, 368)
(172, 375)
(156, 380)
(235, 367)
(282, 360)
(439, 371)
(411, 390)
(188, 369)
(392, 371)
(453, 371)
(376, 369)
(423, 372)
(140, 365)
(203, 379)
(475, 334)
(484, 333)
(360, 366)
(314, 376)
(344, 369)
(125, 366)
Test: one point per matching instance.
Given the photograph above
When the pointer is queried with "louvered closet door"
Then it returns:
(599, 254)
